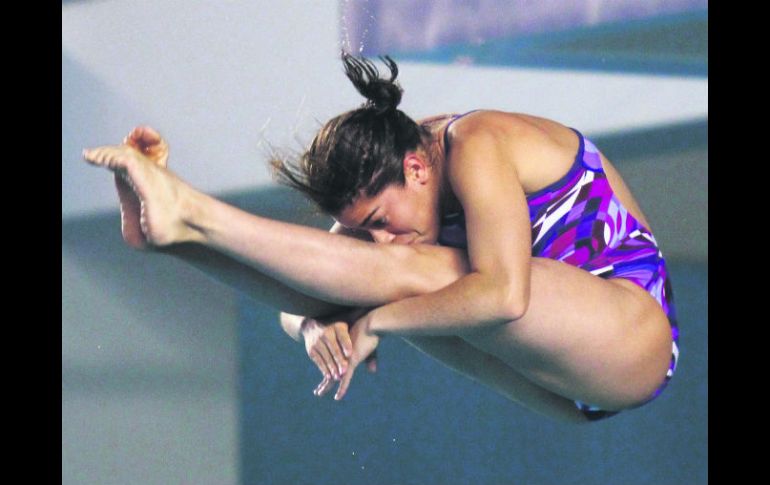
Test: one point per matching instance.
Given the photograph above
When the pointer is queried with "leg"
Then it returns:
(460, 356)
(316, 263)
(227, 270)
(605, 342)
(253, 284)
(451, 351)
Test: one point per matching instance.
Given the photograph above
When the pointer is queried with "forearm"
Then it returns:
(471, 302)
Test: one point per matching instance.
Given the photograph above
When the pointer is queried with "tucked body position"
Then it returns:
(505, 245)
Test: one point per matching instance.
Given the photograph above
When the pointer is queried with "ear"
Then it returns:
(416, 168)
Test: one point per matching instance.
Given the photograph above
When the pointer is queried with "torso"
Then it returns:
(542, 151)
(579, 208)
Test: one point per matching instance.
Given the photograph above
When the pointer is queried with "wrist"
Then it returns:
(368, 322)
(310, 327)
(304, 325)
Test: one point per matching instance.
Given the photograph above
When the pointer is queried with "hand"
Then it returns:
(364, 345)
(328, 344)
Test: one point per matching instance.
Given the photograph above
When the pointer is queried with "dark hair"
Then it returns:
(360, 150)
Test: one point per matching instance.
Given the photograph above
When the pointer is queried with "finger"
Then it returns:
(324, 387)
(321, 364)
(319, 386)
(345, 383)
(321, 349)
(343, 337)
(371, 363)
(334, 350)
(331, 361)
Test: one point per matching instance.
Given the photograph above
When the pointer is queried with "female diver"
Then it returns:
(502, 244)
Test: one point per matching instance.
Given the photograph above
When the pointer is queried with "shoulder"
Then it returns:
(487, 132)
(501, 126)
(531, 146)
(479, 152)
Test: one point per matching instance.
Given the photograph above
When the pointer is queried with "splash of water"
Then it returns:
(345, 37)
(355, 11)
(369, 22)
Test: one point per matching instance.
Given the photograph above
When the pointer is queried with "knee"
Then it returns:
(435, 267)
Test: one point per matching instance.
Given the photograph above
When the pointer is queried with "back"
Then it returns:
(542, 151)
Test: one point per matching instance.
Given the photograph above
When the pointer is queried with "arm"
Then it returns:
(496, 289)
(327, 341)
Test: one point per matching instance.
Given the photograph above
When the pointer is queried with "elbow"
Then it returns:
(515, 302)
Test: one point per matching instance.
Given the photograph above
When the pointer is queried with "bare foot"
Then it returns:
(150, 195)
(155, 148)
(130, 211)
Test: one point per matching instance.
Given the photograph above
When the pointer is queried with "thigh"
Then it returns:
(605, 342)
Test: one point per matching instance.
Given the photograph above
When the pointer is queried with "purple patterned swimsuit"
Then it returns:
(579, 220)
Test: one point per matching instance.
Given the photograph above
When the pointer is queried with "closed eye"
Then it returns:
(379, 223)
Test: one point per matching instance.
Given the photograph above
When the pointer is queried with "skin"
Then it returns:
(554, 332)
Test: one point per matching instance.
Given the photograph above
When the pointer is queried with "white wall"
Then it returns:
(149, 346)
(218, 78)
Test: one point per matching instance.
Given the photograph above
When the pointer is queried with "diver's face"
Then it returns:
(405, 214)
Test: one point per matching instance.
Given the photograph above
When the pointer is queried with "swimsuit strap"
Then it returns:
(446, 128)
(590, 154)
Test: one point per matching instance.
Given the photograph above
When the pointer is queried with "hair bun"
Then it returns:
(383, 95)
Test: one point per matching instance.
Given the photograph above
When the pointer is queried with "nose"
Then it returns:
(382, 236)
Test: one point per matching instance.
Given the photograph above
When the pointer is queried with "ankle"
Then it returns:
(193, 213)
